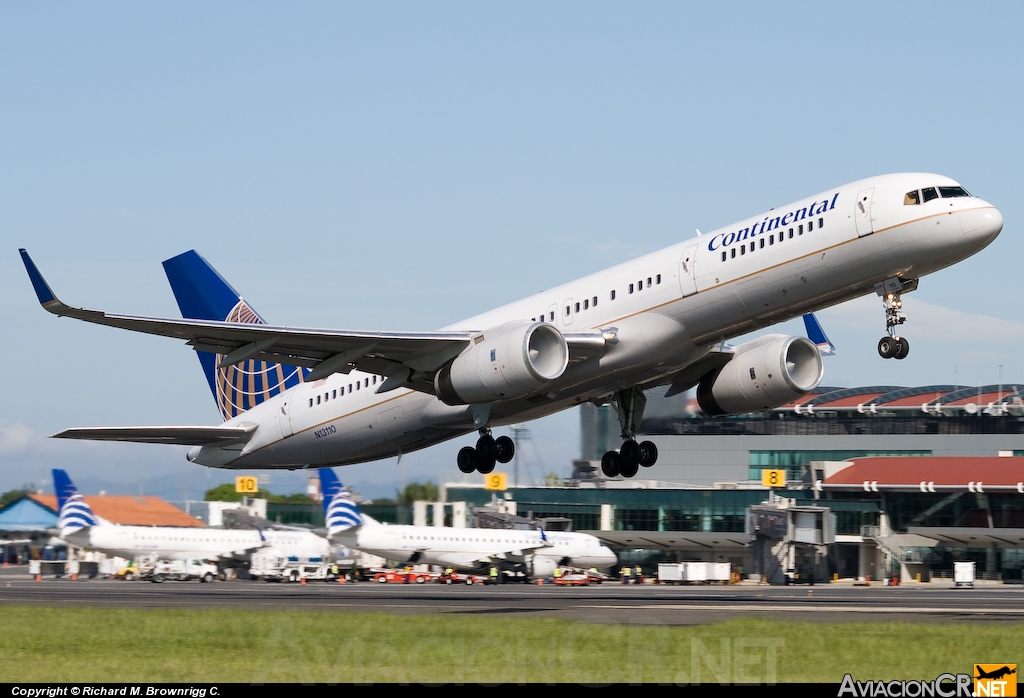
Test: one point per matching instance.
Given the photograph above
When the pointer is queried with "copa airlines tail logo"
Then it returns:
(244, 385)
(342, 513)
(75, 514)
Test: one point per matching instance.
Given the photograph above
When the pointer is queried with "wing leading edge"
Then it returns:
(407, 356)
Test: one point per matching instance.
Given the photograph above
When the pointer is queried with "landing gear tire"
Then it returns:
(630, 452)
(611, 464)
(505, 448)
(629, 468)
(887, 347)
(486, 451)
(467, 459)
(648, 454)
(902, 348)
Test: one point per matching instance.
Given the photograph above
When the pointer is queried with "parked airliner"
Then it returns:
(314, 397)
(537, 553)
(81, 527)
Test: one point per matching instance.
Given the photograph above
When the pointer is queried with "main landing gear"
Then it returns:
(631, 455)
(892, 346)
(488, 451)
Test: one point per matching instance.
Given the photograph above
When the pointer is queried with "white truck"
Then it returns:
(182, 571)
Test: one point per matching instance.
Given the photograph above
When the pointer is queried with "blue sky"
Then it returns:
(405, 165)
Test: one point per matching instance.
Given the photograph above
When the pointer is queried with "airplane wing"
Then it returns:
(717, 357)
(407, 359)
(184, 436)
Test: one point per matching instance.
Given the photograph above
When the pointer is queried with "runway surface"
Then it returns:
(606, 603)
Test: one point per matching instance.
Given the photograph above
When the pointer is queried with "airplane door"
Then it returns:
(284, 418)
(687, 277)
(862, 212)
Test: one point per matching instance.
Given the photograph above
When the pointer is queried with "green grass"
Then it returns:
(74, 644)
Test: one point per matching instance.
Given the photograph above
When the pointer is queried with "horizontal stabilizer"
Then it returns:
(183, 436)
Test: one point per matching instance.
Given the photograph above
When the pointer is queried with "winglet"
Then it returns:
(43, 292)
(817, 335)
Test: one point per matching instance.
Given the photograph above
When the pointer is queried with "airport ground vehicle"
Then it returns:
(694, 572)
(401, 577)
(458, 578)
(181, 571)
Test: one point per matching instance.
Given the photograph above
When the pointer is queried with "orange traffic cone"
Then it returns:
(302, 581)
(341, 579)
(39, 577)
(74, 577)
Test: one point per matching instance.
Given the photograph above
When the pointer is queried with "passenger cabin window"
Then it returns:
(929, 194)
(657, 279)
(723, 255)
(595, 301)
(577, 307)
(611, 296)
(952, 192)
(631, 288)
(912, 198)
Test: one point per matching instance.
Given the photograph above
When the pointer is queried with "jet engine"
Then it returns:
(763, 373)
(505, 363)
(541, 567)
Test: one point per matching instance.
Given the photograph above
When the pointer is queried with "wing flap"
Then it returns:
(182, 436)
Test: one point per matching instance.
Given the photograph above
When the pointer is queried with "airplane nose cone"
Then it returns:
(981, 225)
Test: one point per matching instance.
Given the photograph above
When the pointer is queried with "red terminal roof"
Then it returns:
(130, 511)
(940, 470)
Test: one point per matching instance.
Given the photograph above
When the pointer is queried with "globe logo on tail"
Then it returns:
(342, 513)
(244, 385)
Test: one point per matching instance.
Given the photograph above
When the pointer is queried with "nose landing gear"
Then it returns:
(631, 456)
(891, 290)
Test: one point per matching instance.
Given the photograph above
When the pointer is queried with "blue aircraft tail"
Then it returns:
(74, 513)
(203, 294)
(817, 335)
(340, 512)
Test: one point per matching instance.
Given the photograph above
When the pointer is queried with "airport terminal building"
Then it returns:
(912, 478)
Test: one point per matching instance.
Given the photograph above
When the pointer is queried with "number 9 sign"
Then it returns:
(496, 481)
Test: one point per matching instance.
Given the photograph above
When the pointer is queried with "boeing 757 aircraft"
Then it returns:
(79, 526)
(466, 549)
(294, 397)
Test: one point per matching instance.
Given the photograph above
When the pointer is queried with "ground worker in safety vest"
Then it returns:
(639, 575)
(625, 575)
(494, 575)
(558, 573)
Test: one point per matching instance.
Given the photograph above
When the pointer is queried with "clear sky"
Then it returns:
(405, 165)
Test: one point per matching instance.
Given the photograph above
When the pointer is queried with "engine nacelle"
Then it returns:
(764, 373)
(541, 567)
(503, 364)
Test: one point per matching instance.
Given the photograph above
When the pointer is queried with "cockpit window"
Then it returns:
(929, 194)
(913, 198)
(952, 192)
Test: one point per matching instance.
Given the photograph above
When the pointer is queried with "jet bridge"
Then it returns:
(790, 542)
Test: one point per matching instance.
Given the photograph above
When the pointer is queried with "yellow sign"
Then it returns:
(995, 679)
(496, 481)
(773, 478)
(247, 484)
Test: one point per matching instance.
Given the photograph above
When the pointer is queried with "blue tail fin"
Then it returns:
(817, 335)
(74, 513)
(340, 512)
(203, 294)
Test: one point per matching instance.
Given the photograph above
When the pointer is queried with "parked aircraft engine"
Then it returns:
(764, 373)
(505, 363)
(541, 567)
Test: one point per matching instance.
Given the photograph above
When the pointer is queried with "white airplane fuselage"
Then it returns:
(668, 308)
(177, 543)
(464, 548)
